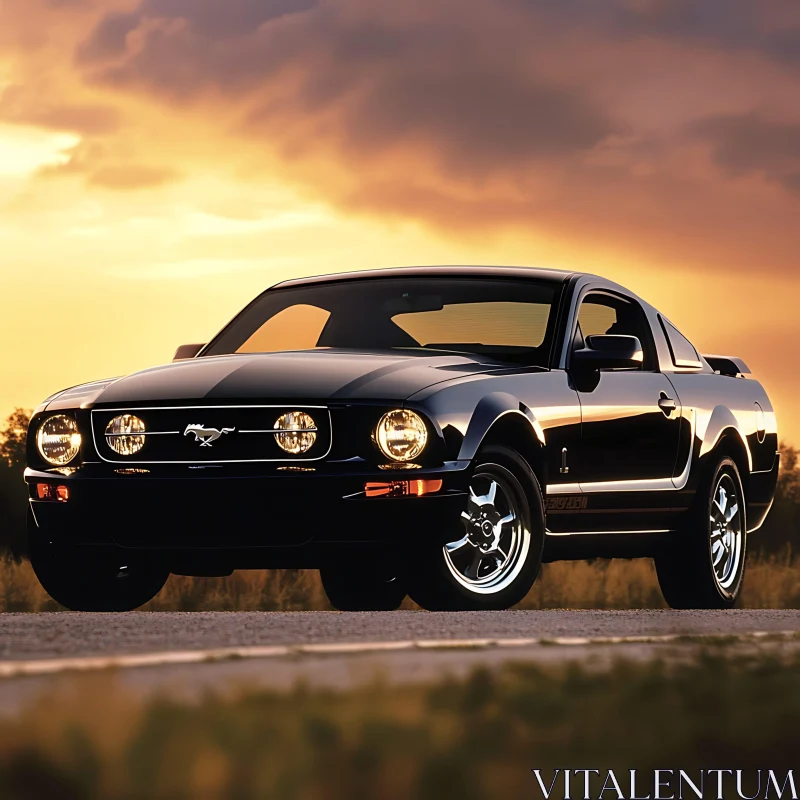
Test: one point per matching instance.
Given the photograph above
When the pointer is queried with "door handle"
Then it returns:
(667, 404)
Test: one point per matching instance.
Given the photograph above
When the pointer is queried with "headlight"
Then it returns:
(301, 432)
(58, 439)
(401, 434)
(125, 434)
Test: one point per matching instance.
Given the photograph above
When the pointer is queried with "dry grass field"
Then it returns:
(770, 583)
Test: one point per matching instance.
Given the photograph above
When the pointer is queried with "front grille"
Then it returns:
(210, 434)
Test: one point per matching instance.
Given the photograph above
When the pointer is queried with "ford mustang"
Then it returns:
(433, 432)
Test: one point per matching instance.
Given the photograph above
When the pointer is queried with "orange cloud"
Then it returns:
(130, 176)
(183, 154)
(470, 115)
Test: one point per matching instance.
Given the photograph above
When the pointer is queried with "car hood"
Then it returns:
(334, 375)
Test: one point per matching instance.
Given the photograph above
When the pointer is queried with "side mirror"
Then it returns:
(187, 351)
(609, 352)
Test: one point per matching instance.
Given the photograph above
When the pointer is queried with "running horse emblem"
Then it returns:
(206, 435)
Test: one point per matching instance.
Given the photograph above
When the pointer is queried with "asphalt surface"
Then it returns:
(59, 635)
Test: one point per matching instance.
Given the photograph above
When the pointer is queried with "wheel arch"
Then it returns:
(724, 437)
(730, 445)
(500, 418)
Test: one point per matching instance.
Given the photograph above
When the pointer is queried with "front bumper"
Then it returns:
(183, 508)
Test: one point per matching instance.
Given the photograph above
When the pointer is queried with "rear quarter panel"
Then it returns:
(716, 406)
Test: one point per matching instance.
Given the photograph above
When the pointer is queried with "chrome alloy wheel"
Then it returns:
(496, 540)
(726, 532)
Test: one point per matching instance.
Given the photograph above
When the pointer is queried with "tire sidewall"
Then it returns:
(451, 594)
(81, 580)
(364, 587)
(725, 466)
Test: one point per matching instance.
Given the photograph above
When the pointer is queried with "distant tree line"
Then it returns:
(782, 528)
(781, 531)
(13, 491)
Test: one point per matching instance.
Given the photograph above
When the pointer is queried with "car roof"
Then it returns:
(437, 271)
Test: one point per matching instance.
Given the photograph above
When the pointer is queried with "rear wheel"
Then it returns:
(705, 569)
(495, 559)
(94, 579)
(362, 587)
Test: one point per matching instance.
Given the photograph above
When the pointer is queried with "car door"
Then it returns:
(630, 425)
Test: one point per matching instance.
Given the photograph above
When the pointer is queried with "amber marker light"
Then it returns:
(47, 491)
(402, 488)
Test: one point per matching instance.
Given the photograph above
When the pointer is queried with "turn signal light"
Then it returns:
(47, 491)
(402, 488)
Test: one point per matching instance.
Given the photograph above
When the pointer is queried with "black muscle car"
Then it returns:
(437, 432)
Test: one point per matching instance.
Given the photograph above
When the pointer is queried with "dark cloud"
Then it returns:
(478, 118)
(558, 117)
(108, 38)
(434, 81)
(771, 27)
(205, 19)
(231, 18)
(472, 122)
(744, 144)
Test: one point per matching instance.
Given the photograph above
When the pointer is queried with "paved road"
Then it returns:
(58, 635)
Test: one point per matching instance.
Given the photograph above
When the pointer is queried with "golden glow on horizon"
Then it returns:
(155, 220)
(26, 149)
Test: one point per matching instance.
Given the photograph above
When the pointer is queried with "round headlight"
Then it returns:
(125, 434)
(301, 432)
(401, 434)
(58, 439)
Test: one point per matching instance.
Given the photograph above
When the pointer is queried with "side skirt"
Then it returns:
(604, 544)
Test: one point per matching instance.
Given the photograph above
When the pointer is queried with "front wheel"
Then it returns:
(494, 561)
(88, 579)
(705, 569)
(362, 587)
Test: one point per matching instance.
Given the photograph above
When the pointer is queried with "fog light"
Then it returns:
(300, 432)
(125, 434)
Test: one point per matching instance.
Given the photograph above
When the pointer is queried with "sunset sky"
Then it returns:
(162, 161)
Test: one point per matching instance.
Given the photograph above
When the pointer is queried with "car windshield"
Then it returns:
(501, 318)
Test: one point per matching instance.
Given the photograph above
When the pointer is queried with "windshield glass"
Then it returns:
(506, 319)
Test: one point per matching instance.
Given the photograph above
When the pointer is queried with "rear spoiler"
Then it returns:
(728, 365)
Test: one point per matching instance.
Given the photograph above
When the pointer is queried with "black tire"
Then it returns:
(94, 579)
(686, 570)
(436, 580)
(362, 587)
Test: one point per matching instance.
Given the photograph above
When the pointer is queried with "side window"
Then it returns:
(595, 317)
(682, 350)
(607, 314)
